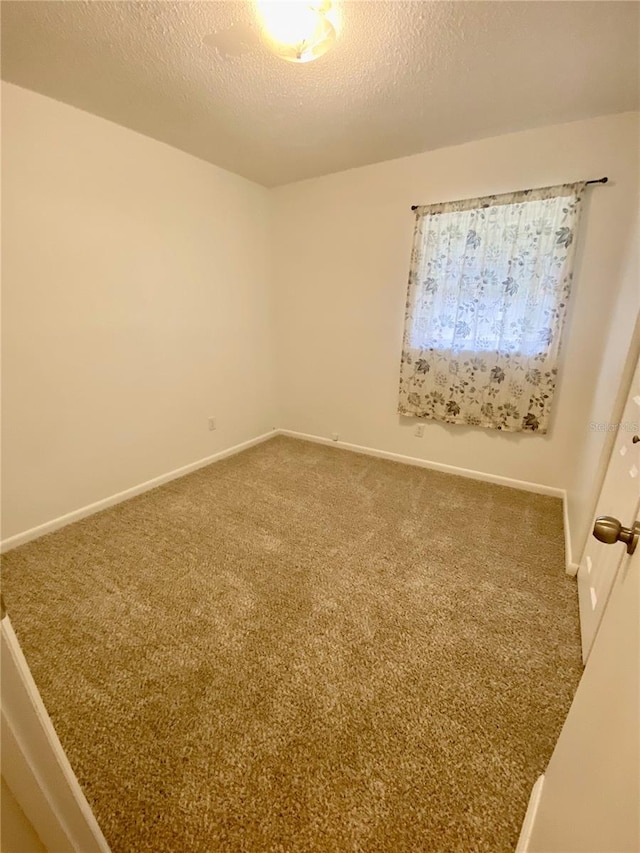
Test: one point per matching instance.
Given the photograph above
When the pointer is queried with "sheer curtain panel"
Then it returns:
(489, 284)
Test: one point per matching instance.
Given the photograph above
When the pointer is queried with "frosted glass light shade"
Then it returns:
(297, 30)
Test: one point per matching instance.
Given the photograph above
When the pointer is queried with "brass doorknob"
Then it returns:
(609, 530)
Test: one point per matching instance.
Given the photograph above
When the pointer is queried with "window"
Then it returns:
(488, 289)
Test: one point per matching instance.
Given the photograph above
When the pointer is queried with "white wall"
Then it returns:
(594, 447)
(342, 245)
(135, 304)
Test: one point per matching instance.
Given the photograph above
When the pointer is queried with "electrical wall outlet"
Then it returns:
(419, 430)
(334, 436)
(212, 423)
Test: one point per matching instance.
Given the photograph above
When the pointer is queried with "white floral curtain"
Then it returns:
(489, 283)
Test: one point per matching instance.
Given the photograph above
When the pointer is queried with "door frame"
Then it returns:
(34, 764)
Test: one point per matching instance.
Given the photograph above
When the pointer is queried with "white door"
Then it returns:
(620, 492)
(590, 794)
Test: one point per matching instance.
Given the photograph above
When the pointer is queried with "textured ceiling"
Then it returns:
(404, 77)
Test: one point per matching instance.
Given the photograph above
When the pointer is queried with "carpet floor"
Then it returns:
(304, 649)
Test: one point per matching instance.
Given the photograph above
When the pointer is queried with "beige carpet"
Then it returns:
(303, 649)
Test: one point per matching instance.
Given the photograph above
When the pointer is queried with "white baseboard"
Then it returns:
(530, 816)
(570, 566)
(90, 509)
(524, 485)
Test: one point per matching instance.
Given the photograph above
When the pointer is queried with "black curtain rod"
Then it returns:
(596, 181)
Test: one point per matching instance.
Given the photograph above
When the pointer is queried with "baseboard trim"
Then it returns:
(570, 567)
(63, 520)
(530, 816)
(470, 473)
(77, 514)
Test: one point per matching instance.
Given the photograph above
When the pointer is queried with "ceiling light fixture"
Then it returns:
(298, 30)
